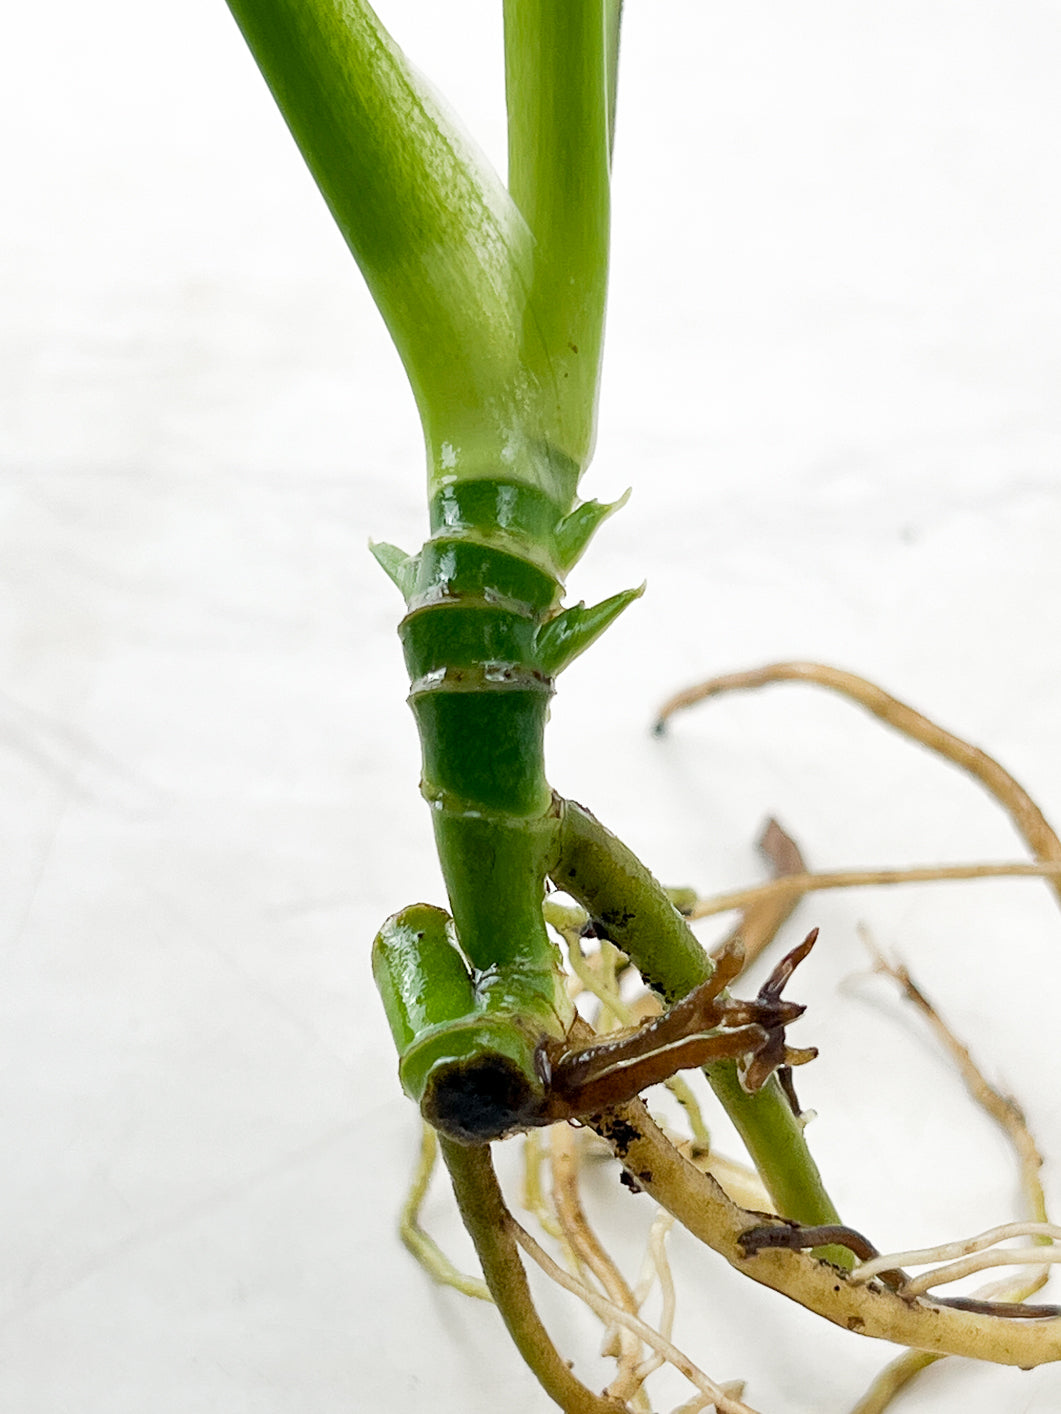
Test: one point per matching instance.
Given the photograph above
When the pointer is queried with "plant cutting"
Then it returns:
(494, 294)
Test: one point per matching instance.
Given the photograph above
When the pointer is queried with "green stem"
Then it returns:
(481, 703)
(484, 638)
(443, 248)
(774, 1138)
(560, 61)
(495, 302)
(633, 910)
(466, 1043)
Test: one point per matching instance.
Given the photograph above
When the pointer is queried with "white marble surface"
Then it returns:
(833, 380)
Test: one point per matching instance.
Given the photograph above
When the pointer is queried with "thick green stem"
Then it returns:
(480, 702)
(443, 248)
(484, 637)
(633, 910)
(495, 302)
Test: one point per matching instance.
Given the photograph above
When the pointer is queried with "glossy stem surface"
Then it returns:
(484, 638)
(440, 242)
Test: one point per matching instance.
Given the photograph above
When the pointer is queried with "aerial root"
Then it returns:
(763, 913)
(592, 1274)
(1004, 1297)
(420, 1243)
(878, 1297)
(1044, 844)
(589, 1254)
(716, 1394)
(893, 1379)
(975, 1250)
(656, 1268)
(494, 1232)
(1003, 1109)
(792, 887)
(1026, 816)
(594, 1278)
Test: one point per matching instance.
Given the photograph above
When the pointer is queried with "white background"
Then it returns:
(832, 379)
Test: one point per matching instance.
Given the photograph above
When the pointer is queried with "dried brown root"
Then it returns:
(791, 888)
(1043, 843)
(598, 974)
(1009, 1117)
(704, 1026)
(765, 911)
(1027, 818)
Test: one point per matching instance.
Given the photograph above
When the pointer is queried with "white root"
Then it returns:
(947, 1251)
(608, 1312)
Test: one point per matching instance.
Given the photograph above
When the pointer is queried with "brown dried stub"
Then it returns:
(756, 1069)
(702, 1027)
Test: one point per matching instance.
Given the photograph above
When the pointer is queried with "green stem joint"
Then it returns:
(484, 638)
